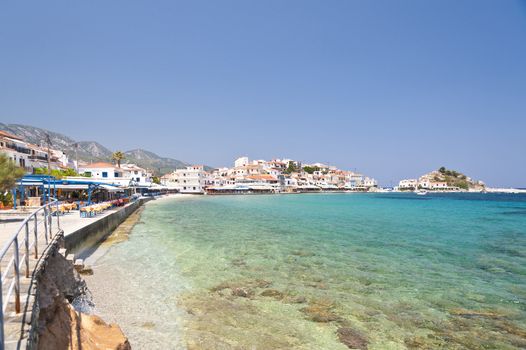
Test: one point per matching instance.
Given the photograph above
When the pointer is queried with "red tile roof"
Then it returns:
(11, 136)
(98, 165)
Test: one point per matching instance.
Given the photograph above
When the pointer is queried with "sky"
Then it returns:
(390, 88)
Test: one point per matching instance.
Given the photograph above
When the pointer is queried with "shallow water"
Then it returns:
(382, 271)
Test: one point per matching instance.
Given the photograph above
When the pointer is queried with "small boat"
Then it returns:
(421, 192)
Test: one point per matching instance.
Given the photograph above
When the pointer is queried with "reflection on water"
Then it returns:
(320, 272)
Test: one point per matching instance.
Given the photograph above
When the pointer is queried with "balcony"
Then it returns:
(18, 148)
(35, 157)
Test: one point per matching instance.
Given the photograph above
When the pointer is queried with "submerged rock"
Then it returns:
(242, 292)
(262, 283)
(352, 338)
(239, 263)
(474, 313)
(298, 299)
(302, 253)
(273, 293)
(321, 311)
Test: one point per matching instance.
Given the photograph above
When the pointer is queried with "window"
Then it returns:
(117, 175)
(104, 174)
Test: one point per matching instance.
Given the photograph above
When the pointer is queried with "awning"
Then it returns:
(111, 188)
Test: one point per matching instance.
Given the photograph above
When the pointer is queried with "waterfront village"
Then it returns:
(59, 208)
(98, 181)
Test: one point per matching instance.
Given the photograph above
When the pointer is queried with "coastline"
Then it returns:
(202, 288)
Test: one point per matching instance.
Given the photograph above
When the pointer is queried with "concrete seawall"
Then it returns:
(88, 236)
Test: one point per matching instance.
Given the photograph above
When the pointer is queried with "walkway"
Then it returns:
(16, 325)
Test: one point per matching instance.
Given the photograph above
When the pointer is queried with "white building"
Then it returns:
(241, 161)
(104, 172)
(193, 179)
(137, 174)
(408, 184)
(29, 156)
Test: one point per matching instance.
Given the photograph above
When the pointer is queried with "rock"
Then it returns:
(295, 299)
(321, 311)
(262, 283)
(220, 287)
(258, 283)
(239, 263)
(317, 285)
(273, 293)
(352, 338)
(86, 270)
(242, 292)
(70, 329)
(60, 326)
(473, 313)
(302, 253)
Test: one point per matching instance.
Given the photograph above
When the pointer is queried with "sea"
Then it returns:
(319, 271)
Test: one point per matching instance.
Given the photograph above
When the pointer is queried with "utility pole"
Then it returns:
(76, 145)
(48, 141)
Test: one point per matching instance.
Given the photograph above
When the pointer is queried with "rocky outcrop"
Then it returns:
(60, 326)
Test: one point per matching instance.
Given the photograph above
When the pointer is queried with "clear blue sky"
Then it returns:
(391, 88)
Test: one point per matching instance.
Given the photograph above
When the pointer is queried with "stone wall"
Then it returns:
(90, 235)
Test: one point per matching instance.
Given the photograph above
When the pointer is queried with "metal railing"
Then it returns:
(41, 223)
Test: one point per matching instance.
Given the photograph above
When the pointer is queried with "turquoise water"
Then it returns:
(376, 271)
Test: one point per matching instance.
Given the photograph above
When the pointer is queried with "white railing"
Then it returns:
(42, 223)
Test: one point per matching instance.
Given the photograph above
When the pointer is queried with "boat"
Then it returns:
(421, 192)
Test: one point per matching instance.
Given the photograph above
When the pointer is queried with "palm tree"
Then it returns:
(118, 156)
(9, 173)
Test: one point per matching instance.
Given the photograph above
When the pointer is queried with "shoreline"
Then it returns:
(149, 319)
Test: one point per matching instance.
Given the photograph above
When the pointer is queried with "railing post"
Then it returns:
(26, 244)
(45, 224)
(58, 218)
(36, 236)
(1, 314)
(50, 218)
(17, 275)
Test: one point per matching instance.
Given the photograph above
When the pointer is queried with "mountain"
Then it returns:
(150, 160)
(89, 151)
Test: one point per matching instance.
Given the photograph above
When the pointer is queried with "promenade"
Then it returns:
(17, 325)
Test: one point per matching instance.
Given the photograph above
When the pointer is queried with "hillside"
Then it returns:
(454, 178)
(89, 151)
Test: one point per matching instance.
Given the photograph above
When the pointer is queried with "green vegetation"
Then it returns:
(57, 173)
(311, 169)
(156, 180)
(118, 156)
(9, 173)
(453, 178)
(291, 168)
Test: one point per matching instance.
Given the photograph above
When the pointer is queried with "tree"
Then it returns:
(310, 169)
(57, 173)
(156, 180)
(442, 170)
(291, 168)
(9, 173)
(118, 156)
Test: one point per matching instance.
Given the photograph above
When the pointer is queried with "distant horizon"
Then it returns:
(392, 89)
